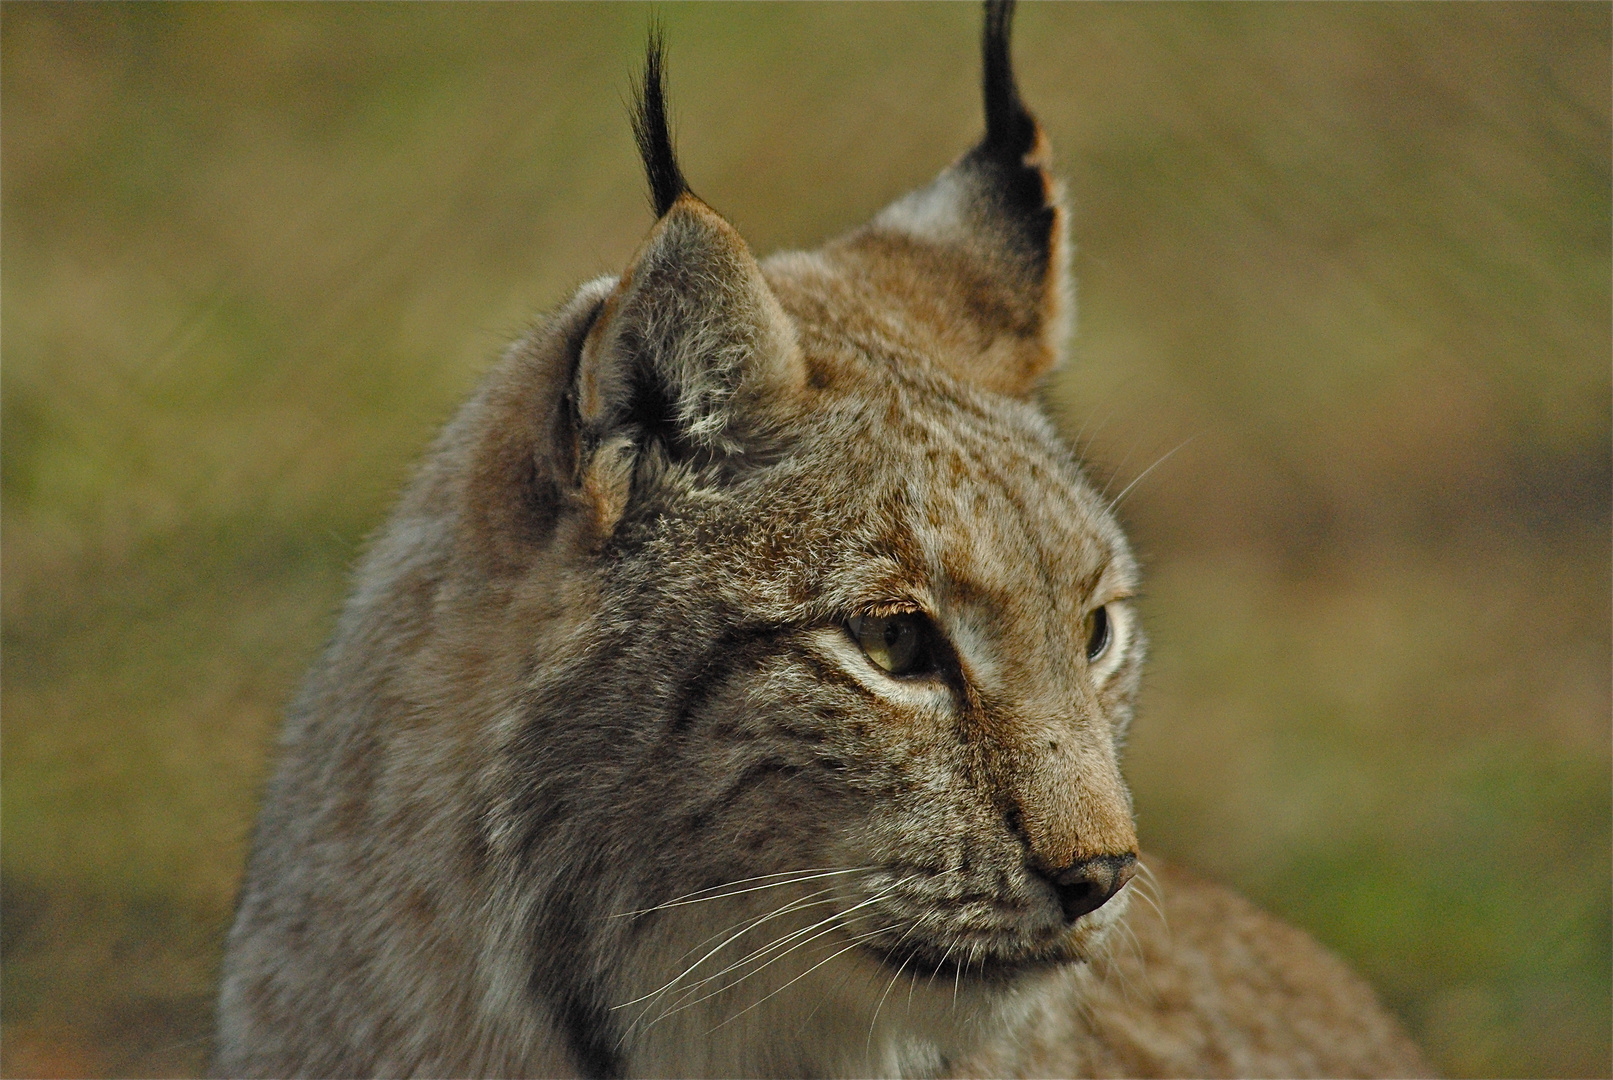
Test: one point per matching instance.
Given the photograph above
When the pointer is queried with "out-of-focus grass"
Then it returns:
(254, 254)
(1409, 758)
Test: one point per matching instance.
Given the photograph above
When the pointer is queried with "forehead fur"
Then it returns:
(902, 481)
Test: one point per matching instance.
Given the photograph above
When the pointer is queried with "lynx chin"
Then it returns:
(738, 689)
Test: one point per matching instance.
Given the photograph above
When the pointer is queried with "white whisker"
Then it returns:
(719, 892)
(855, 943)
(1139, 477)
(685, 1004)
(957, 974)
(937, 970)
(812, 899)
(868, 1046)
(1115, 474)
(857, 940)
(911, 927)
(1153, 895)
(800, 903)
(1080, 450)
(765, 949)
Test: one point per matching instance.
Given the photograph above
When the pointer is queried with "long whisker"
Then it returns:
(840, 985)
(912, 983)
(1107, 968)
(775, 913)
(798, 903)
(651, 998)
(757, 953)
(1113, 476)
(1157, 463)
(937, 970)
(912, 979)
(1153, 895)
(688, 1004)
(841, 952)
(1080, 450)
(1136, 949)
(857, 940)
(684, 1001)
(868, 1046)
(793, 905)
(799, 944)
(719, 892)
(957, 974)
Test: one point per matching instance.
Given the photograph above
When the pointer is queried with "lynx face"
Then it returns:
(905, 646)
(893, 670)
(739, 689)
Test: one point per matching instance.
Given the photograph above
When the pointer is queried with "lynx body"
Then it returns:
(738, 690)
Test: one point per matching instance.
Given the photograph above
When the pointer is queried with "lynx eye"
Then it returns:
(896, 643)
(1098, 633)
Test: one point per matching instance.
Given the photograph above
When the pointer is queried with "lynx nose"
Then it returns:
(1089, 884)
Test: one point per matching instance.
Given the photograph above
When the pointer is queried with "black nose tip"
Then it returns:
(1089, 884)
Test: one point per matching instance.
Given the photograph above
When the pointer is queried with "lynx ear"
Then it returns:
(691, 343)
(983, 245)
(691, 352)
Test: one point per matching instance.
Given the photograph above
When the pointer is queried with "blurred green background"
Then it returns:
(1359, 255)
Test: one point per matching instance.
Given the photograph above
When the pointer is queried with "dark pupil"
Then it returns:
(1100, 633)
(902, 641)
(894, 642)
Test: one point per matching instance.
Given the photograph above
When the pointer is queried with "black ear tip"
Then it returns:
(1011, 130)
(651, 129)
(999, 18)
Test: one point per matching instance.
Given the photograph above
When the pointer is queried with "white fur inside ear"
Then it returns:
(933, 212)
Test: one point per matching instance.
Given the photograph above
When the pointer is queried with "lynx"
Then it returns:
(739, 689)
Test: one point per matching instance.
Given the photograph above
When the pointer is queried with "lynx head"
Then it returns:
(793, 647)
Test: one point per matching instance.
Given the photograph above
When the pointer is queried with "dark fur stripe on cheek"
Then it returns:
(735, 649)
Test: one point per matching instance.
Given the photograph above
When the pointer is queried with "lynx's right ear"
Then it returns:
(691, 354)
(981, 251)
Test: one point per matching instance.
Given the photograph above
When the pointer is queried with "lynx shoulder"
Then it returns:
(737, 690)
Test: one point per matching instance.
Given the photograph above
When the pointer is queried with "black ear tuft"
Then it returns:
(984, 242)
(1013, 152)
(651, 130)
(1011, 131)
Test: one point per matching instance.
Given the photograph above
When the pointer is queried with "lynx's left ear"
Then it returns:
(983, 247)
